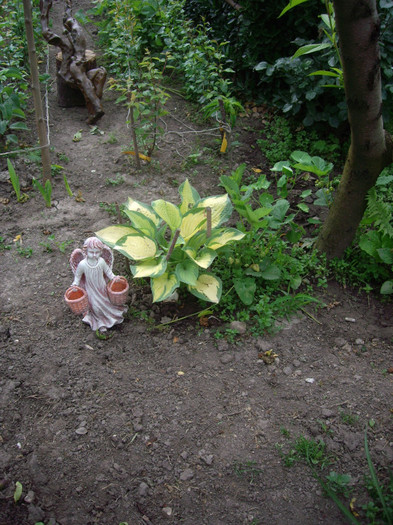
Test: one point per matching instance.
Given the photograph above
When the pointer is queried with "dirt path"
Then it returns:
(168, 426)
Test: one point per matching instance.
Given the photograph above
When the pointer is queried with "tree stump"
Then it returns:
(69, 96)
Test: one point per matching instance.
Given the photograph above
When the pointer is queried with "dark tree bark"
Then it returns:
(371, 147)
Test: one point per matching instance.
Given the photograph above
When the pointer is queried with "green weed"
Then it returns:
(247, 469)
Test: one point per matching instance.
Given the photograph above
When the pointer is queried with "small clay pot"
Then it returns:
(118, 290)
(76, 298)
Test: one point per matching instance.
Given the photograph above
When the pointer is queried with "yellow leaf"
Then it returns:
(224, 143)
(140, 155)
(352, 507)
(256, 170)
(18, 238)
(180, 373)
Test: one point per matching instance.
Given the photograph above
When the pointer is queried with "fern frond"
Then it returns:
(379, 213)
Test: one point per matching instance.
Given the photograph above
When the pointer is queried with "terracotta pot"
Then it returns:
(118, 290)
(76, 298)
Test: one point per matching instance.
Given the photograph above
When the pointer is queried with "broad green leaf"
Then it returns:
(145, 209)
(280, 209)
(386, 255)
(387, 287)
(112, 234)
(142, 222)
(271, 273)
(18, 125)
(221, 208)
(164, 286)
(187, 272)
(222, 236)
(303, 207)
(208, 287)
(168, 212)
(310, 48)
(136, 246)
(189, 196)
(149, 267)
(280, 165)
(245, 288)
(301, 157)
(230, 185)
(192, 222)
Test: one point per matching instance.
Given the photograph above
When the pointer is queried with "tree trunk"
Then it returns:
(35, 86)
(371, 148)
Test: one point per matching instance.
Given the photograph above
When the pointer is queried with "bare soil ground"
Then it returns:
(168, 426)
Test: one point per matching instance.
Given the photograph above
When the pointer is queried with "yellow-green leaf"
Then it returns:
(221, 208)
(208, 287)
(112, 234)
(145, 209)
(168, 212)
(141, 222)
(137, 247)
(149, 268)
(189, 196)
(205, 257)
(222, 236)
(164, 286)
(192, 222)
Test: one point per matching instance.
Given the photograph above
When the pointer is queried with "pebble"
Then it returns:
(167, 511)
(350, 320)
(310, 380)
(239, 326)
(263, 345)
(287, 370)
(359, 341)
(143, 489)
(187, 474)
(81, 431)
(226, 358)
(29, 498)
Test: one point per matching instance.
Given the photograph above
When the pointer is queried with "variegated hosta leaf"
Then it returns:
(168, 212)
(205, 257)
(112, 234)
(137, 247)
(222, 236)
(221, 207)
(208, 287)
(187, 272)
(142, 222)
(192, 222)
(145, 209)
(149, 267)
(189, 196)
(163, 286)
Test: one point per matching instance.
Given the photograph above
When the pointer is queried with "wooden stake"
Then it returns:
(35, 87)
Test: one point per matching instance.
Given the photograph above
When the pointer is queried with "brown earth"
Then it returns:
(168, 426)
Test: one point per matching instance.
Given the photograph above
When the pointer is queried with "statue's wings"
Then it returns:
(107, 255)
(75, 259)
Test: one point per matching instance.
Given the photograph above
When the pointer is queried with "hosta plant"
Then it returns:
(175, 245)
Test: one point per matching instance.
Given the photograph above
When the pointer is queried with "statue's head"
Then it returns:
(92, 243)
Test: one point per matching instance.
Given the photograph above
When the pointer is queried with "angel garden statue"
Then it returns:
(94, 278)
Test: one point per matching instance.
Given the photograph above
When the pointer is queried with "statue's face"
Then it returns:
(93, 253)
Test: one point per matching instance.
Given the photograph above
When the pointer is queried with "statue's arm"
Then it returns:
(78, 275)
(108, 272)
